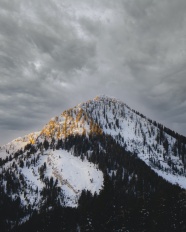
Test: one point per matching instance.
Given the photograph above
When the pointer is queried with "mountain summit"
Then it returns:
(78, 152)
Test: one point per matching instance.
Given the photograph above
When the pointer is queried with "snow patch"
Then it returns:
(73, 175)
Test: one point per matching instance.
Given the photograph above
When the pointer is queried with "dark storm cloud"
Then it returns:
(56, 54)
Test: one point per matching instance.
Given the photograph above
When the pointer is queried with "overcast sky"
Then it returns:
(55, 54)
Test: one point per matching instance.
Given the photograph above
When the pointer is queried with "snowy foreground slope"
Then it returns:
(60, 169)
(37, 166)
(73, 175)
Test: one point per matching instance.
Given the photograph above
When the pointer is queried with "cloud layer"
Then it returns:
(56, 54)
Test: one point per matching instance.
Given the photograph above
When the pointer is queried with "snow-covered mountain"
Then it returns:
(41, 164)
(160, 148)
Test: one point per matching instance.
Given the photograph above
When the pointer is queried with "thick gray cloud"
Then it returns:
(56, 54)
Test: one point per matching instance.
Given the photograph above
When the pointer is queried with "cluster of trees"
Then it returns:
(51, 193)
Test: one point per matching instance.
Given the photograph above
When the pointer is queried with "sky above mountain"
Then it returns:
(55, 54)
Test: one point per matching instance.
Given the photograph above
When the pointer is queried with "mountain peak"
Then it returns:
(101, 99)
(104, 97)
